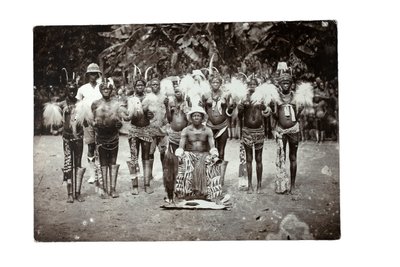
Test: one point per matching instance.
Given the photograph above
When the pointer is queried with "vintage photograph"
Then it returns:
(186, 132)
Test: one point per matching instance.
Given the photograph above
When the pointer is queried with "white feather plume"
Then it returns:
(186, 84)
(237, 89)
(84, 111)
(52, 115)
(166, 87)
(265, 93)
(134, 106)
(150, 102)
(205, 88)
(304, 94)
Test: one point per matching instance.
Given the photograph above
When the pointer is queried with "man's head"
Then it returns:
(252, 84)
(155, 85)
(175, 81)
(285, 82)
(197, 118)
(215, 82)
(178, 92)
(106, 88)
(71, 90)
(196, 115)
(139, 87)
(93, 72)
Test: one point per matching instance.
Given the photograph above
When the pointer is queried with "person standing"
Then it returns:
(321, 100)
(176, 112)
(288, 105)
(106, 123)
(89, 93)
(219, 109)
(252, 111)
(65, 113)
(140, 137)
(159, 124)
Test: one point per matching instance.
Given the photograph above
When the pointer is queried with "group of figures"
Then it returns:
(187, 119)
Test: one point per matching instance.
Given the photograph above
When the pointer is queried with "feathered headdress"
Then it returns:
(304, 95)
(107, 82)
(135, 72)
(52, 114)
(265, 93)
(146, 73)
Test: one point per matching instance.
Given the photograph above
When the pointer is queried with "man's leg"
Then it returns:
(220, 144)
(113, 171)
(133, 165)
(146, 166)
(259, 168)
(103, 180)
(293, 146)
(91, 161)
(249, 161)
(67, 170)
(79, 171)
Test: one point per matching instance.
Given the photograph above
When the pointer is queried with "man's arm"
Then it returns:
(210, 137)
(182, 142)
(79, 95)
(168, 110)
(179, 152)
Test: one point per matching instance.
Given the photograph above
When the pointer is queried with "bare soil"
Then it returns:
(315, 202)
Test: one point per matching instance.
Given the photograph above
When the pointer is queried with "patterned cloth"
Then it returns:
(243, 178)
(218, 129)
(174, 137)
(138, 133)
(282, 179)
(142, 133)
(198, 176)
(253, 137)
(73, 149)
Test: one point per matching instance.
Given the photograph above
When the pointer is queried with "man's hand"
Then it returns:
(118, 124)
(188, 101)
(150, 115)
(276, 135)
(240, 106)
(166, 102)
(232, 106)
(179, 152)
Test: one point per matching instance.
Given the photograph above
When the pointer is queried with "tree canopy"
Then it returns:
(173, 49)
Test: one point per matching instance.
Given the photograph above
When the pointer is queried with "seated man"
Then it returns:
(199, 167)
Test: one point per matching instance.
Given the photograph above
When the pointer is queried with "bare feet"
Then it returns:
(79, 198)
(70, 199)
(135, 191)
(250, 189)
(148, 189)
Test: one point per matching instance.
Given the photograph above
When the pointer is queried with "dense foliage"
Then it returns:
(169, 49)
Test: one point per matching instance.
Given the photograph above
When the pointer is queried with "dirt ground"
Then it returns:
(311, 212)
